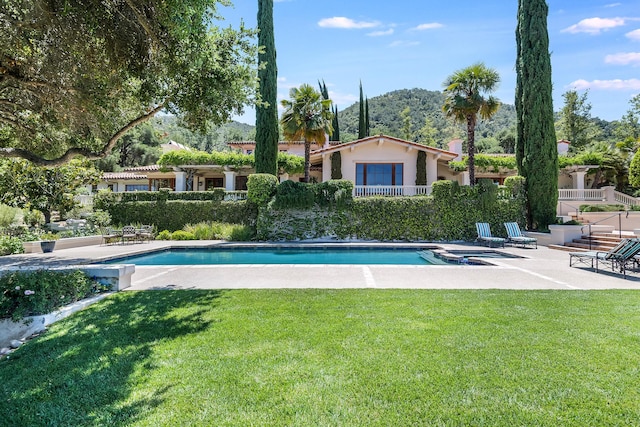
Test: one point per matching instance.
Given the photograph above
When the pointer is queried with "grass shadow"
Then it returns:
(83, 370)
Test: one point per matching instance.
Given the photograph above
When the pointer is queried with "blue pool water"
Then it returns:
(214, 256)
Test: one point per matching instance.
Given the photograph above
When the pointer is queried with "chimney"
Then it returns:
(563, 146)
(455, 146)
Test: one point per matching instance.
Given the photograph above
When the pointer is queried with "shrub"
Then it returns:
(99, 218)
(219, 231)
(182, 235)
(334, 193)
(33, 218)
(104, 199)
(10, 245)
(602, 208)
(40, 292)
(290, 194)
(7, 215)
(164, 235)
(261, 187)
(516, 184)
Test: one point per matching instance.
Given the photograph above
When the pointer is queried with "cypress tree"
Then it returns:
(366, 117)
(536, 149)
(335, 136)
(267, 132)
(362, 124)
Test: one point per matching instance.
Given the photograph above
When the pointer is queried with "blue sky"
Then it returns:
(405, 44)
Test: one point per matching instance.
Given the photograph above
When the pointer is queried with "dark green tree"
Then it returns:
(536, 145)
(267, 132)
(421, 168)
(362, 121)
(407, 124)
(76, 76)
(464, 101)
(367, 128)
(335, 136)
(307, 117)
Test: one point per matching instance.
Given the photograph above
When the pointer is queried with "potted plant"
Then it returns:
(48, 242)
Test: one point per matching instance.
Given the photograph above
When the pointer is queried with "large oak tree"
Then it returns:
(76, 75)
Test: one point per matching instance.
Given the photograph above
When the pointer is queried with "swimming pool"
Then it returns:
(284, 255)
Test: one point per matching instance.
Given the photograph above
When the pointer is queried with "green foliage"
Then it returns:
(517, 185)
(220, 231)
(485, 163)
(634, 170)
(99, 218)
(407, 124)
(536, 145)
(288, 163)
(25, 185)
(575, 122)
(300, 195)
(8, 215)
(40, 292)
(291, 194)
(33, 217)
(336, 165)
(164, 235)
(261, 187)
(10, 245)
(215, 194)
(449, 214)
(182, 235)
(174, 214)
(362, 121)
(602, 208)
(267, 132)
(421, 168)
(101, 70)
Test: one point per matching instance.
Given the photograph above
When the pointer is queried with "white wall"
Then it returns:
(388, 152)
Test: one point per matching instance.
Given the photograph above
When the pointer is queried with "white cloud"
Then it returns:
(623, 58)
(616, 84)
(594, 25)
(342, 100)
(347, 23)
(428, 26)
(634, 35)
(403, 43)
(613, 5)
(381, 33)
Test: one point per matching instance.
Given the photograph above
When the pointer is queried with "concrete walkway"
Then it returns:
(540, 268)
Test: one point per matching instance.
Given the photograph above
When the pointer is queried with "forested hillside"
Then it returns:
(385, 112)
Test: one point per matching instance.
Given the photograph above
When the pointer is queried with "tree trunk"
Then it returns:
(307, 160)
(471, 148)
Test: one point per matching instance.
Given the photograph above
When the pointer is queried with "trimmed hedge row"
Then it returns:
(175, 214)
(216, 194)
(449, 214)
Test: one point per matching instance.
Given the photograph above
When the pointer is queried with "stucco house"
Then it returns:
(376, 164)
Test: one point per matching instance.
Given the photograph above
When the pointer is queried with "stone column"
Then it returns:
(181, 181)
(326, 167)
(284, 177)
(578, 180)
(432, 169)
(465, 178)
(230, 180)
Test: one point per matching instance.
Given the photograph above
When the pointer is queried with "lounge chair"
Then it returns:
(485, 237)
(620, 257)
(515, 236)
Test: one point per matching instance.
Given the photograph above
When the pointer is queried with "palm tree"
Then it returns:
(307, 116)
(464, 99)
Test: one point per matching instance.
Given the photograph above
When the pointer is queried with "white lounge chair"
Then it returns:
(485, 237)
(515, 236)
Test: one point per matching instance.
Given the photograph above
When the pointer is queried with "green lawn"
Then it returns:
(333, 358)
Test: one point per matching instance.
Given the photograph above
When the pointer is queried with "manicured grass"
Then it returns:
(334, 358)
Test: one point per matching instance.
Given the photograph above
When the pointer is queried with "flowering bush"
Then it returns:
(27, 293)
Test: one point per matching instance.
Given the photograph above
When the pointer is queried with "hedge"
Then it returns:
(175, 214)
(449, 214)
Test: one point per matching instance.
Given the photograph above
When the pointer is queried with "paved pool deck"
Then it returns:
(540, 268)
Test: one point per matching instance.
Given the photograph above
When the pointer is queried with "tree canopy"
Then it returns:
(76, 75)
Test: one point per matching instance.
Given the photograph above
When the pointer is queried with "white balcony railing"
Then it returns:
(391, 190)
(586, 194)
(625, 199)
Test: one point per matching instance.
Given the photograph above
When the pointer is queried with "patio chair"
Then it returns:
(145, 232)
(485, 237)
(129, 234)
(515, 236)
(620, 257)
(109, 235)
